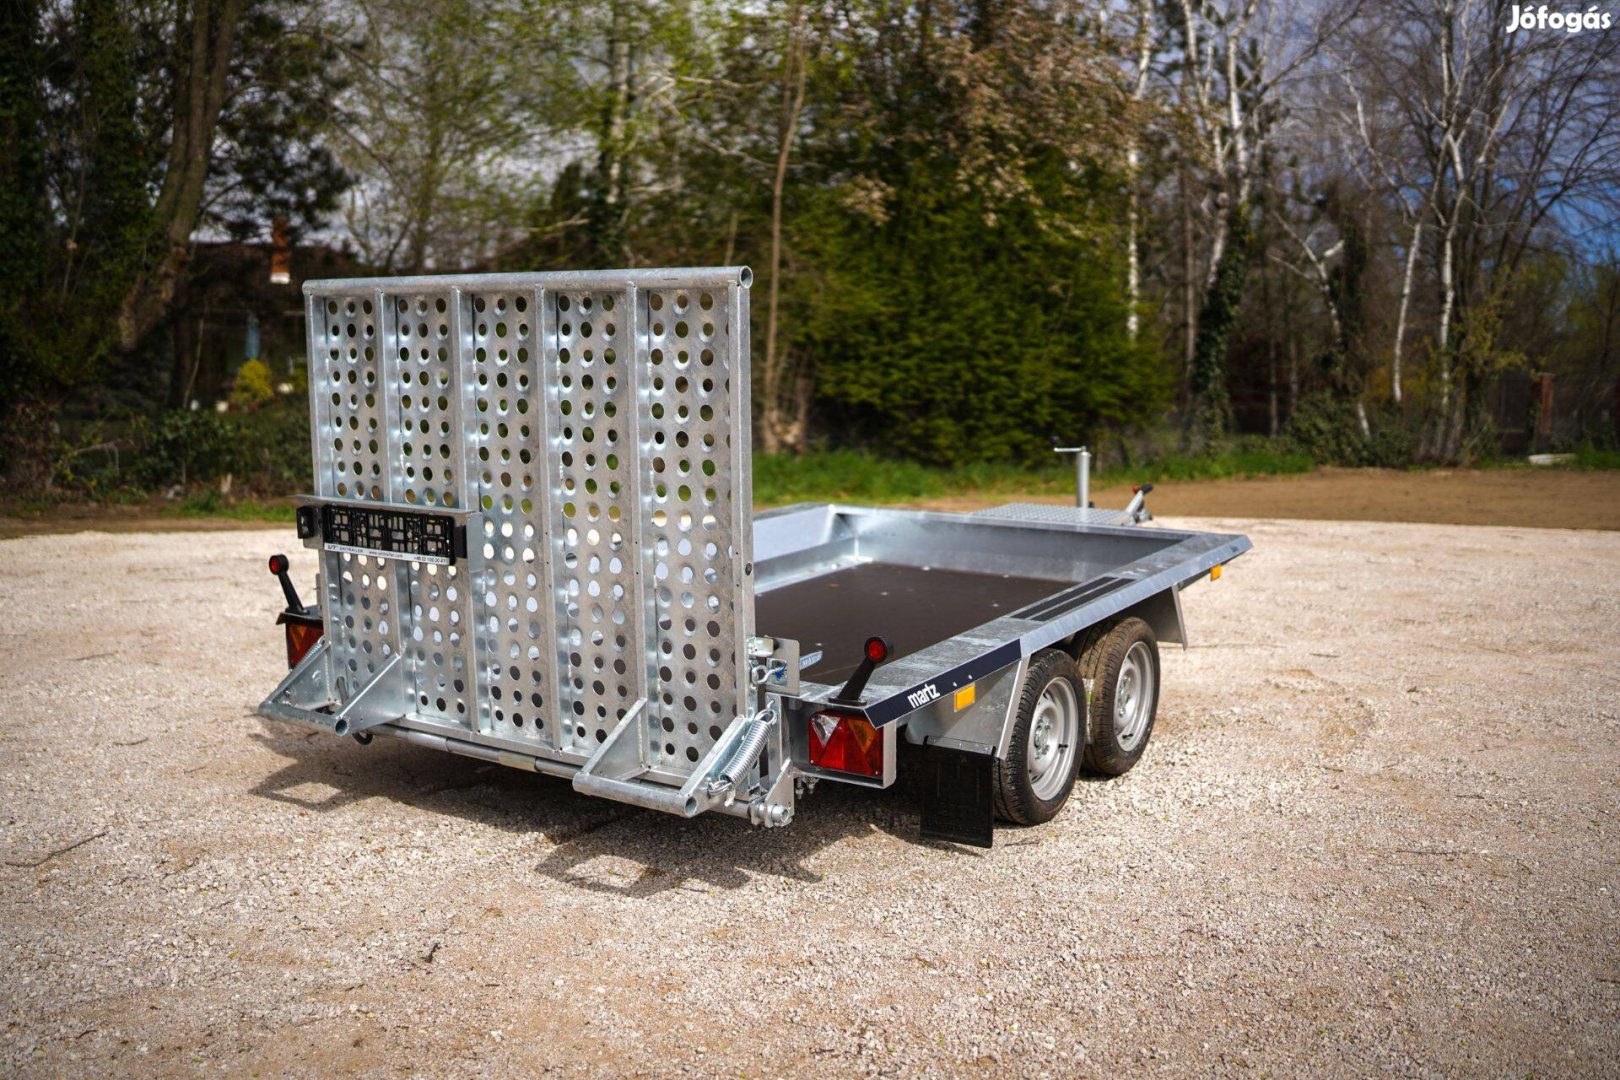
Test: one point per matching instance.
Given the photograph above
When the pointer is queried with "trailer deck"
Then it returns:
(915, 607)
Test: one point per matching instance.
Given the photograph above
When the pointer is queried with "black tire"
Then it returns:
(1113, 748)
(1015, 795)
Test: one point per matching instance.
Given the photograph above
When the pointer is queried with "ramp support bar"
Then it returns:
(617, 769)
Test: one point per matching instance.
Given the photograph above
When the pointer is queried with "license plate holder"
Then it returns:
(385, 532)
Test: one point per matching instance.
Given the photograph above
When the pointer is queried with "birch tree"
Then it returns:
(1488, 143)
(1231, 65)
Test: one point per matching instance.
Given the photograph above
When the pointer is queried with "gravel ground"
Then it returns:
(1376, 831)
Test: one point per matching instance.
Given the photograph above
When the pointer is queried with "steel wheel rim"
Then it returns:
(1133, 697)
(1054, 731)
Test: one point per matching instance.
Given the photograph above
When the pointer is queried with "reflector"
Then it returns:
(877, 650)
(844, 742)
(302, 634)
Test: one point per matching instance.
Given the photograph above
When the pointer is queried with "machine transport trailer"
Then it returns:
(533, 523)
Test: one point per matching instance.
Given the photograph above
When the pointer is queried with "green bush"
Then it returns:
(1325, 429)
(184, 448)
(265, 451)
(254, 385)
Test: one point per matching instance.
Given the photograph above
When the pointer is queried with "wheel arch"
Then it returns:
(1161, 611)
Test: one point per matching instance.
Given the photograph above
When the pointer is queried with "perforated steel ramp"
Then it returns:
(591, 431)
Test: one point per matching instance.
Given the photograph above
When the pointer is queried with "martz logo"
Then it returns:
(923, 697)
(1572, 22)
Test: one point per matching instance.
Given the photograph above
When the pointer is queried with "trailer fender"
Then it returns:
(974, 719)
(1161, 611)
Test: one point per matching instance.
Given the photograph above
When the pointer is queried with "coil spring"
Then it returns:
(748, 749)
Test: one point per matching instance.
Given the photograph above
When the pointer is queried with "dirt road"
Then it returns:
(1376, 831)
(1536, 498)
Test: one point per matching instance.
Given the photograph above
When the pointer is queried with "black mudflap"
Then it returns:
(958, 803)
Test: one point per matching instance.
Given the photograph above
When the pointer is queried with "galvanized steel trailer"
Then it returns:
(533, 526)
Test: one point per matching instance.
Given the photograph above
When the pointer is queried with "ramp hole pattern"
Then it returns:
(350, 417)
(686, 426)
(437, 645)
(365, 636)
(506, 399)
(591, 515)
(423, 363)
(420, 366)
(352, 399)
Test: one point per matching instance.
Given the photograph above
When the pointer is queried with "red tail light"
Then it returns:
(844, 742)
(302, 634)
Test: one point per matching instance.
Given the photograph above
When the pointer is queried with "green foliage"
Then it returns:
(965, 302)
(1588, 456)
(279, 163)
(96, 102)
(254, 385)
(922, 356)
(1246, 458)
(209, 503)
(1209, 408)
(1325, 429)
(265, 450)
(22, 194)
(185, 447)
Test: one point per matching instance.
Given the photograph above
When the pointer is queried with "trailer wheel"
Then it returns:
(1123, 665)
(1034, 780)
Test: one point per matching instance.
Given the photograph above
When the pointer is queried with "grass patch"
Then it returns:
(848, 475)
(1590, 457)
(209, 504)
(1254, 461)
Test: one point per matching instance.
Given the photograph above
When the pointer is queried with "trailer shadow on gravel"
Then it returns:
(593, 845)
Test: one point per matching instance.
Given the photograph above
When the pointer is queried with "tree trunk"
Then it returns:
(776, 431)
(1133, 161)
(1406, 303)
(1210, 410)
(1273, 424)
(1189, 287)
(608, 225)
(179, 203)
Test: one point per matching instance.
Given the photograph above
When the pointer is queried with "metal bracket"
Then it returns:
(305, 691)
(305, 697)
(371, 706)
(775, 664)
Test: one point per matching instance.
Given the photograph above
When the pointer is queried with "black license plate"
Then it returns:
(386, 533)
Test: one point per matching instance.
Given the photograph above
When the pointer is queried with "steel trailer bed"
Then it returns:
(535, 545)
